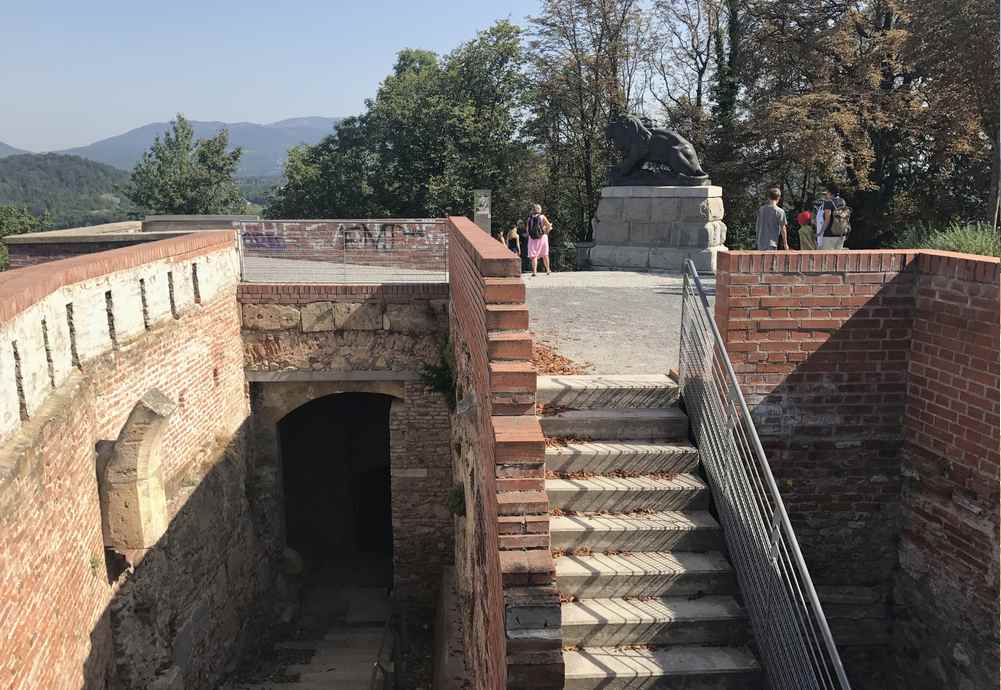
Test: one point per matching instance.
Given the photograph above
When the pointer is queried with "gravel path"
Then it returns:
(622, 322)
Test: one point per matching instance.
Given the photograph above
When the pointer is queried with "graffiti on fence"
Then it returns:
(303, 238)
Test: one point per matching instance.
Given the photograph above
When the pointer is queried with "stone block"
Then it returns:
(620, 256)
(318, 316)
(663, 208)
(610, 209)
(649, 233)
(611, 231)
(712, 209)
(699, 234)
(637, 209)
(693, 210)
(416, 317)
(270, 317)
(352, 316)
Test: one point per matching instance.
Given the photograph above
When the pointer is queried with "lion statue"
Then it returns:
(642, 145)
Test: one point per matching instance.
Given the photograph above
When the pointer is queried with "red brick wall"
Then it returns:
(58, 607)
(502, 545)
(946, 587)
(835, 352)
(398, 329)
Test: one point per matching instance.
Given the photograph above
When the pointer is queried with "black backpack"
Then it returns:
(535, 226)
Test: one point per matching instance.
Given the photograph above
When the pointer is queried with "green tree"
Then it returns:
(437, 129)
(16, 220)
(181, 175)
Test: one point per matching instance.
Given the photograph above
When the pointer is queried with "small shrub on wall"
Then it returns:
(968, 238)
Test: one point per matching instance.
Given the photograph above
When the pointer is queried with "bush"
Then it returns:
(741, 236)
(968, 238)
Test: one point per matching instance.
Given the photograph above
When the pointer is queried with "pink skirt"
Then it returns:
(539, 247)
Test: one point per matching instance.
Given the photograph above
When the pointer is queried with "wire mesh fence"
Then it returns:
(790, 628)
(344, 251)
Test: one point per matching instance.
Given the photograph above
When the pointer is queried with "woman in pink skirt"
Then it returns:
(538, 238)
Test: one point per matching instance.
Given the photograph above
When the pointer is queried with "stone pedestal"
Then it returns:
(658, 228)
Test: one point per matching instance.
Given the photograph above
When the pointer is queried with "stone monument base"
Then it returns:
(643, 228)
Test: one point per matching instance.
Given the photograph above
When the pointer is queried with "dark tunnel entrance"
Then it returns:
(335, 461)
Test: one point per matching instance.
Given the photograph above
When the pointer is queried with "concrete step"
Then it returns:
(605, 391)
(628, 424)
(680, 668)
(717, 620)
(626, 494)
(637, 532)
(631, 457)
(648, 574)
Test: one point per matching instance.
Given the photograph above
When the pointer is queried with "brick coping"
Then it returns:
(953, 264)
(22, 287)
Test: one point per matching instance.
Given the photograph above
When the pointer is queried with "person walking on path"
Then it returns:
(771, 224)
(836, 221)
(807, 232)
(538, 238)
(523, 245)
(513, 242)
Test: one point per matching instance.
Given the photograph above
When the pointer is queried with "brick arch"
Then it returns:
(130, 478)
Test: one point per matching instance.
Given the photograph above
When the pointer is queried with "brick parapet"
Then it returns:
(72, 628)
(873, 380)
(57, 316)
(501, 462)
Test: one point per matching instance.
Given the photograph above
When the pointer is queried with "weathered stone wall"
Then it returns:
(512, 624)
(945, 593)
(304, 342)
(845, 362)
(174, 613)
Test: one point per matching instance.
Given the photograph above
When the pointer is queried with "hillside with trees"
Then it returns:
(67, 190)
(8, 150)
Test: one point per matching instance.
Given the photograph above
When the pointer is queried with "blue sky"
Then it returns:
(73, 72)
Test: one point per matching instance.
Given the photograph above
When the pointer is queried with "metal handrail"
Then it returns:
(790, 629)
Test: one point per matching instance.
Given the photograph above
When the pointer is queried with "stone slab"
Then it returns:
(706, 192)
(654, 258)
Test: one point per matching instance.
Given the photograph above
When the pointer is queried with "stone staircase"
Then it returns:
(649, 599)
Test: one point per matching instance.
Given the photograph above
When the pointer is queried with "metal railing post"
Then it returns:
(791, 630)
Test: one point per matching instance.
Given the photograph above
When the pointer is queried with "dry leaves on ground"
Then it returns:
(548, 361)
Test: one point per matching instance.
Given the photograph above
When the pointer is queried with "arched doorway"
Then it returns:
(336, 476)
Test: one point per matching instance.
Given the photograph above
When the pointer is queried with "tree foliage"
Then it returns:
(179, 174)
(16, 220)
(437, 129)
(68, 190)
(894, 101)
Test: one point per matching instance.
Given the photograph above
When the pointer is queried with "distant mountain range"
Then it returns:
(264, 146)
(8, 150)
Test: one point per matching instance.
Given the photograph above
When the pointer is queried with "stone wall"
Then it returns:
(833, 350)
(658, 227)
(504, 568)
(303, 342)
(84, 342)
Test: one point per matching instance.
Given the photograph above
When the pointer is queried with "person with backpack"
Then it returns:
(538, 238)
(837, 221)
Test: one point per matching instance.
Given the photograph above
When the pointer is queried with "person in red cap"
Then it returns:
(807, 235)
